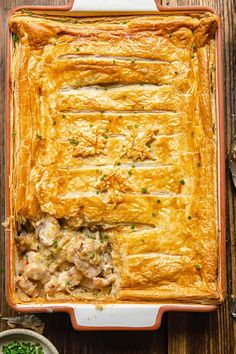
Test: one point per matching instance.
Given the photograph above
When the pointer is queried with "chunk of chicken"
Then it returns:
(101, 283)
(35, 268)
(27, 241)
(86, 269)
(27, 286)
(88, 258)
(62, 281)
(48, 230)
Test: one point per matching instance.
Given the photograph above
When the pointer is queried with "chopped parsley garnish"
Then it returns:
(194, 46)
(133, 61)
(77, 49)
(103, 236)
(148, 145)
(129, 172)
(133, 166)
(136, 126)
(97, 192)
(73, 141)
(25, 11)
(91, 125)
(38, 136)
(106, 137)
(189, 217)
(176, 72)
(92, 255)
(118, 163)
(132, 227)
(55, 243)
(102, 178)
(144, 190)
(182, 181)
(158, 201)
(63, 116)
(15, 37)
(114, 62)
(198, 266)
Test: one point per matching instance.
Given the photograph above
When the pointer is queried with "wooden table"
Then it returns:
(180, 333)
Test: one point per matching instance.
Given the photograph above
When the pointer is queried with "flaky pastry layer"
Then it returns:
(113, 128)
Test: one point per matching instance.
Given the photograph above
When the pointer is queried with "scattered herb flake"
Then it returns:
(118, 163)
(182, 181)
(55, 243)
(103, 236)
(63, 116)
(130, 173)
(73, 141)
(132, 227)
(27, 12)
(91, 125)
(77, 49)
(189, 217)
(158, 201)
(15, 38)
(133, 166)
(38, 136)
(102, 178)
(144, 190)
(136, 126)
(198, 266)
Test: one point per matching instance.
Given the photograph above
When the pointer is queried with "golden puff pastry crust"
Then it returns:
(114, 153)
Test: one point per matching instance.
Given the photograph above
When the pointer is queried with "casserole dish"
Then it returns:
(194, 281)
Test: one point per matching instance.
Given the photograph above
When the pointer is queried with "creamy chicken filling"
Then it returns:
(60, 257)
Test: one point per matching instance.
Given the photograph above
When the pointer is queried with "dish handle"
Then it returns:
(115, 5)
(119, 317)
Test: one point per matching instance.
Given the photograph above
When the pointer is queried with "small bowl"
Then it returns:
(25, 335)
